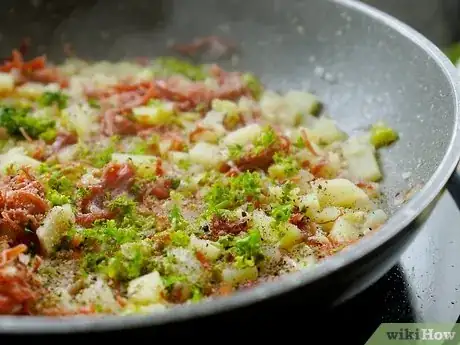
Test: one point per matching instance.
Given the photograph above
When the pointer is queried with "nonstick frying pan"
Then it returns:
(363, 64)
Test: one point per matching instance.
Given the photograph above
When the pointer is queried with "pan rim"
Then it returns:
(395, 225)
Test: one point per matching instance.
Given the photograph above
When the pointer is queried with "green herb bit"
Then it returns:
(50, 98)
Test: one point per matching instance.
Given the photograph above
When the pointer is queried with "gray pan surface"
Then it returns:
(363, 64)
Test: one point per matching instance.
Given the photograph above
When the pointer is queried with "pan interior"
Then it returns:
(363, 70)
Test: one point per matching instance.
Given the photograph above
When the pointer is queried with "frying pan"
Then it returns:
(364, 65)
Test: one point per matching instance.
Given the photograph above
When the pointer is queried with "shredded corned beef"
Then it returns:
(221, 226)
(22, 207)
(19, 288)
(117, 178)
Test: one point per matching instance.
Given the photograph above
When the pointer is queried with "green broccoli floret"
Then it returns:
(49, 98)
(248, 249)
(13, 119)
(382, 135)
(169, 66)
(254, 85)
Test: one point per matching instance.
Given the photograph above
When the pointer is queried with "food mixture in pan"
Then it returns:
(132, 187)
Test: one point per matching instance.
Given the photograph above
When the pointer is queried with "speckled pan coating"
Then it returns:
(363, 64)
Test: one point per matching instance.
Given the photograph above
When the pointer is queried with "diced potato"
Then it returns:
(81, 119)
(6, 82)
(236, 276)
(291, 236)
(344, 231)
(58, 221)
(147, 289)
(302, 102)
(67, 154)
(205, 154)
(185, 263)
(276, 192)
(208, 248)
(310, 202)
(145, 74)
(213, 118)
(99, 293)
(326, 131)
(210, 134)
(288, 109)
(272, 104)
(327, 214)
(18, 157)
(35, 90)
(263, 223)
(224, 106)
(243, 135)
(177, 157)
(375, 219)
(155, 114)
(362, 161)
(341, 193)
(136, 159)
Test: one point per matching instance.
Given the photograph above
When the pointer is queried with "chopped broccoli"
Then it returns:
(170, 66)
(13, 119)
(49, 135)
(254, 84)
(382, 135)
(49, 98)
(284, 167)
(248, 249)
(235, 191)
(281, 213)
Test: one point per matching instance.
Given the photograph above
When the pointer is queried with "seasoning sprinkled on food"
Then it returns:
(134, 186)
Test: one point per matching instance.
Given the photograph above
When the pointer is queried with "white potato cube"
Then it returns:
(6, 82)
(18, 157)
(208, 248)
(57, 222)
(362, 161)
(135, 159)
(344, 231)
(239, 275)
(147, 289)
(291, 236)
(263, 223)
(340, 193)
(327, 131)
(205, 154)
(243, 136)
(155, 114)
(302, 102)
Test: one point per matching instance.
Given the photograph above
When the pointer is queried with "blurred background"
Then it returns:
(48, 21)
